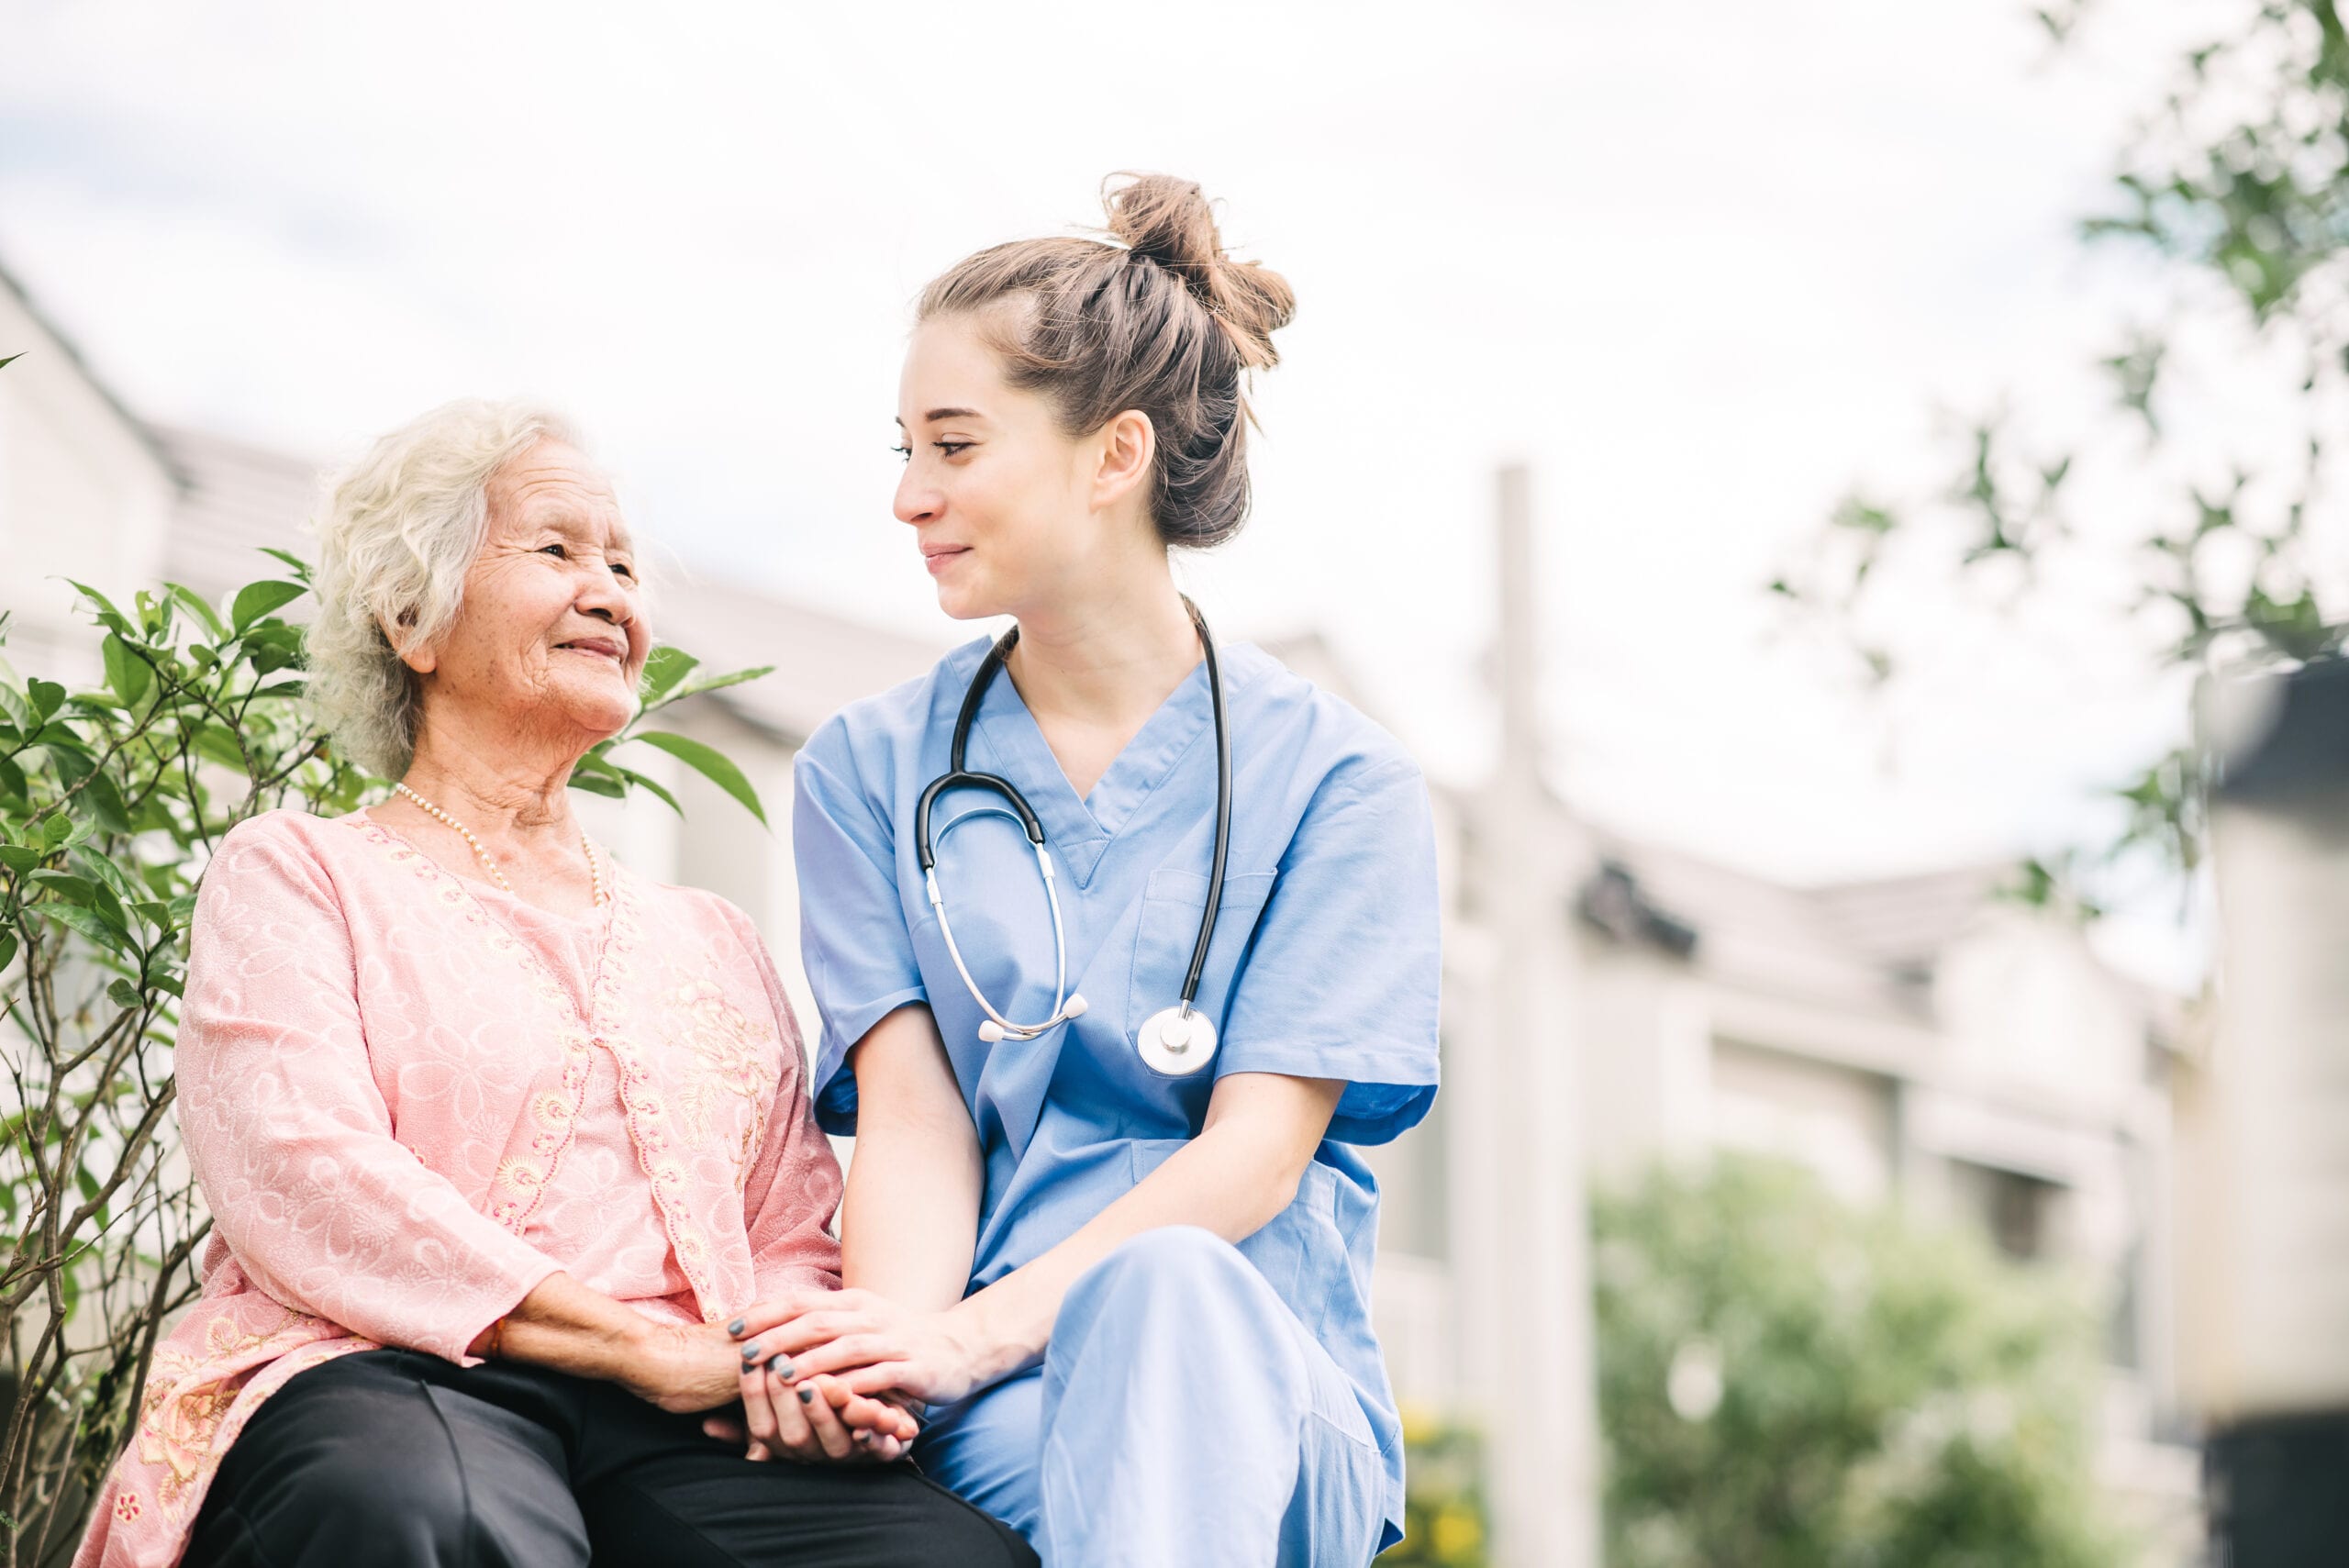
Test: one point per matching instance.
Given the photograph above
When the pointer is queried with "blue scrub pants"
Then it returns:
(1182, 1416)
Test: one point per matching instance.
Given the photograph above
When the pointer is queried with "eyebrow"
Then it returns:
(935, 415)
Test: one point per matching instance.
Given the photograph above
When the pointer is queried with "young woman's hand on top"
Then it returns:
(872, 1345)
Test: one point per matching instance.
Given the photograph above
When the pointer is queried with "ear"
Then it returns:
(1129, 449)
(414, 654)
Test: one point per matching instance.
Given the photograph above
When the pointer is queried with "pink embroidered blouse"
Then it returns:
(409, 1097)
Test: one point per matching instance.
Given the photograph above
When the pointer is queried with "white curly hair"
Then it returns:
(400, 530)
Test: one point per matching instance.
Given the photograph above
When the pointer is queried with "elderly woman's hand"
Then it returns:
(815, 1419)
(680, 1367)
(690, 1367)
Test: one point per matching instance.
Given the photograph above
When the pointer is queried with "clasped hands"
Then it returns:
(837, 1374)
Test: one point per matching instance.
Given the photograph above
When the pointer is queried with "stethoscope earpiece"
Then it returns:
(1177, 1040)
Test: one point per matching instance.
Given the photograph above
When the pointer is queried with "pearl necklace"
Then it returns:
(594, 868)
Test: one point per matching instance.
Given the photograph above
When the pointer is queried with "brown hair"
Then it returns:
(1156, 318)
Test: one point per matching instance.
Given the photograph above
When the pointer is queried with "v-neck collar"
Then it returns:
(1082, 828)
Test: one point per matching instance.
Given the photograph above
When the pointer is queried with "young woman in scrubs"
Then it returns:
(1137, 1304)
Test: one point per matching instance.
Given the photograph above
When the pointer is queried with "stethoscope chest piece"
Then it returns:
(1176, 1041)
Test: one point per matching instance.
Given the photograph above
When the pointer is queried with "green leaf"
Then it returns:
(19, 859)
(66, 885)
(128, 675)
(597, 783)
(89, 923)
(664, 668)
(17, 707)
(124, 995)
(7, 950)
(651, 787)
(711, 765)
(192, 602)
(717, 683)
(48, 697)
(103, 868)
(105, 804)
(11, 359)
(107, 615)
(255, 600)
(216, 744)
(72, 762)
(12, 780)
(301, 568)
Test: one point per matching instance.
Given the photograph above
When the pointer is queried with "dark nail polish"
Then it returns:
(781, 1367)
(750, 1354)
(734, 1328)
(806, 1396)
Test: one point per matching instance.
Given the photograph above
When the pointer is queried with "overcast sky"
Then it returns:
(1702, 266)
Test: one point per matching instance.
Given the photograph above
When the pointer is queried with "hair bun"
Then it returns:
(1168, 221)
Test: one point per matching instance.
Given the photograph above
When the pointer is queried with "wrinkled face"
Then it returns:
(550, 640)
(1004, 505)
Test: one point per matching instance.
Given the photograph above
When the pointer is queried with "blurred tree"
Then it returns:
(2236, 185)
(1788, 1383)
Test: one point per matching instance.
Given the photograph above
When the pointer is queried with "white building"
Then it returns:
(1608, 1003)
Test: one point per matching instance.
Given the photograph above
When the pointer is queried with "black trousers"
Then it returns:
(393, 1459)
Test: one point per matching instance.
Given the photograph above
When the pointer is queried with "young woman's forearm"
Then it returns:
(1233, 1179)
(910, 1219)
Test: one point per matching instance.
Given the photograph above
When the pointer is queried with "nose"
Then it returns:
(602, 595)
(917, 501)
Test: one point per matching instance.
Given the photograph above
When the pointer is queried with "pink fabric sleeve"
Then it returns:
(289, 1136)
(794, 1187)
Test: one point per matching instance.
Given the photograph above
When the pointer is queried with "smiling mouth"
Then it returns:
(600, 650)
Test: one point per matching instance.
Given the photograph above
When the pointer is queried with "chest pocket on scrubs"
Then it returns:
(1168, 930)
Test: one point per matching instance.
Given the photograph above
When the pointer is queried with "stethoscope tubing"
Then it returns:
(959, 775)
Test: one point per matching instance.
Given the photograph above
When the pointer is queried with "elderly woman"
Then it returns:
(497, 1136)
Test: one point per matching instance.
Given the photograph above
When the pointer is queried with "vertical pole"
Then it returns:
(2262, 1185)
(1521, 1226)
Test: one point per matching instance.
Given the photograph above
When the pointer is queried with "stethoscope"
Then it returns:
(1175, 1041)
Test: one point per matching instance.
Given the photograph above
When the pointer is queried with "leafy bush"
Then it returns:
(1786, 1383)
(111, 800)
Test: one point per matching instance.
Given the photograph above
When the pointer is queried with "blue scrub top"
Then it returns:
(1324, 963)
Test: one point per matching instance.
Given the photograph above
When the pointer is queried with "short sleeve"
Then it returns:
(853, 935)
(1343, 978)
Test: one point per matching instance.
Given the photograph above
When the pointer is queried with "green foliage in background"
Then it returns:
(2236, 185)
(111, 800)
(1444, 1522)
(1788, 1383)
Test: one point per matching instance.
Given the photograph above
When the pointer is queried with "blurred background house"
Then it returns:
(1610, 1001)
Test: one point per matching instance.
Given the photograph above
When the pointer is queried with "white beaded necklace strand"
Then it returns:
(594, 868)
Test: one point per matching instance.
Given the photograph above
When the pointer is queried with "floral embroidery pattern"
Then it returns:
(191, 1391)
(730, 1063)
